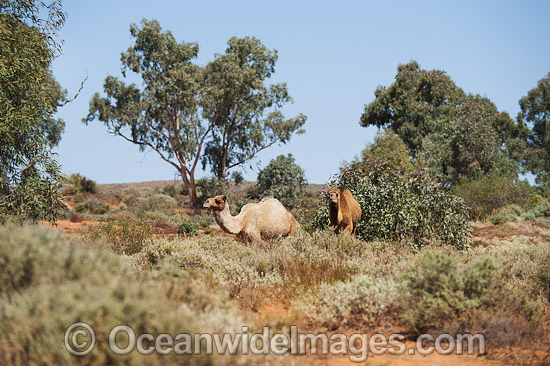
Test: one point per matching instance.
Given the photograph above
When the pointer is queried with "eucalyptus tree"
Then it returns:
(187, 113)
(29, 97)
(535, 114)
(457, 134)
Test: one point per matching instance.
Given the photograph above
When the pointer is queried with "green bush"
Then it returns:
(203, 221)
(540, 210)
(126, 236)
(93, 206)
(282, 179)
(402, 207)
(189, 228)
(488, 193)
(500, 219)
(78, 183)
(174, 190)
(437, 292)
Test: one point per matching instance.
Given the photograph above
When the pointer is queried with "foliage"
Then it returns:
(126, 236)
(78, 183)
(486, 194)
(540, 210)
(282, 179)
(189, 228)
(364, 298)
(247, 111)
(543, 275)
(47, 284)
(403, 207)
(28, 99)
(389, 148)
(437, 291)
(157, 202)
(535, 113)
(92, 205)
(186, 112)
(458, 135)
(237, 177)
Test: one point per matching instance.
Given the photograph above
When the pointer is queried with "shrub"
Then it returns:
(543, 275)
(437, 292)
(173, 190)
(237, 177)
(203, 221)
(126, 236)
(488, 193)
(157, 202)
(189, 228)
(53, 284)
(93, 206)
(363, 298)
(403, 207)
(282, 179)
(500, 219)
(540, 210)
(78, 183)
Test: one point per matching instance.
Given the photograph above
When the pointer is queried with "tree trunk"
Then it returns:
(189, 182)
(192, 190)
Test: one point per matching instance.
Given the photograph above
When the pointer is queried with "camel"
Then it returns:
(344, 211)
(266, 220)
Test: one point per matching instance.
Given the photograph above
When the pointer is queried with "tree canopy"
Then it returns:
(282, 179)
(457, 134)
(221, 114)
(535, 114)
(29, 97)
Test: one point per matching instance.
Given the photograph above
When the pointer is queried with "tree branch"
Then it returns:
(151, 146)
(76, 95)
(254, 153)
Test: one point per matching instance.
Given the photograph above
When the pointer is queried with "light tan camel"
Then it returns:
(344, 211)
(266, 220)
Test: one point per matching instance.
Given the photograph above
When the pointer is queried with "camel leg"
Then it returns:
(354, 230)
(349, 229)
(293, 228)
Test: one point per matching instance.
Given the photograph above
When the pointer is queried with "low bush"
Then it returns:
(189, 228)
(436, 292)
(488, 193)
(282, 179)
(92, 206)
(157, 202)
(540, 210)
(543, 275)
(364, 298)
(75, 217)
(499, 219)
(126, 236)
(78, 183)
(52, 284)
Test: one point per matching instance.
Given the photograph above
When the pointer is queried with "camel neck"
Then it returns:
(228, 223)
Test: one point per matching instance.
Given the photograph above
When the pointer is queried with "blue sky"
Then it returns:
(331, 56)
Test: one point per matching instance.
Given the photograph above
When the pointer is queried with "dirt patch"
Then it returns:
(75, 227)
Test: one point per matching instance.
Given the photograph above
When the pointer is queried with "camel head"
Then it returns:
(334, 195)
(216, 203)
